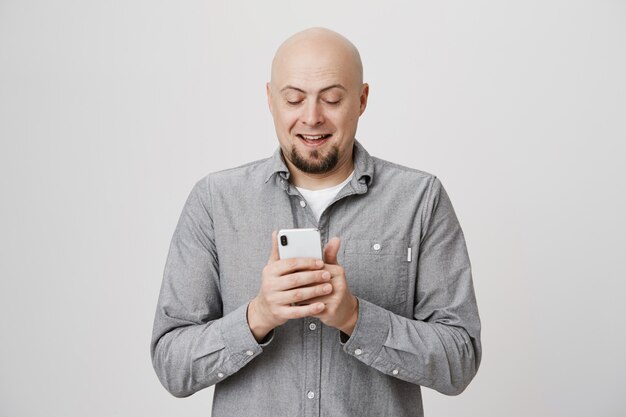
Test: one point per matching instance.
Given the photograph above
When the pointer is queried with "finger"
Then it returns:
(297, 312)
(288, 266)
(320, 299)
(298, 295)
(301, 279)
(274, 254)
(330, 251)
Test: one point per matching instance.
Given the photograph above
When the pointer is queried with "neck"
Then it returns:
(320, 181)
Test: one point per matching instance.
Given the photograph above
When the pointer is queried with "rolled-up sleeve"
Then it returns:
(439, 347)
(194, 345)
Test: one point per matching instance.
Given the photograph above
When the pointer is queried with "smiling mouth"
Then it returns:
(314, 139)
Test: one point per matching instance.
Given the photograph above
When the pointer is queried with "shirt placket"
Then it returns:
(311, 327)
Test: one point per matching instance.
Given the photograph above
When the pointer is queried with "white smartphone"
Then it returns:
(299, 243)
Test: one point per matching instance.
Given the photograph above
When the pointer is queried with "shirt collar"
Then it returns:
(363, 165)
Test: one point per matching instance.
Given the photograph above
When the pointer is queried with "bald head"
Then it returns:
(313, 50)
(316, 96)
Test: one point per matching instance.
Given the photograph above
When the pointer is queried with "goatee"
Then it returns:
(315, 164)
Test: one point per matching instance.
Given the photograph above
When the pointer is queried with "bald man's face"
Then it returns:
(316, 97)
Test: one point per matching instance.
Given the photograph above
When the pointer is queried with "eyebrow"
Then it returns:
(330, 87)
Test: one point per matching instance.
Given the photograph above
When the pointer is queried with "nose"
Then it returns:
(312, 114)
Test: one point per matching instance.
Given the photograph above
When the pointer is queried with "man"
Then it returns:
(390, 308)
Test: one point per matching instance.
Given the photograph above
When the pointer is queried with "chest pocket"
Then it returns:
(377, 270)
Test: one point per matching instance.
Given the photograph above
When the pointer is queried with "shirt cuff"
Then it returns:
(238, 337)
(369, 334)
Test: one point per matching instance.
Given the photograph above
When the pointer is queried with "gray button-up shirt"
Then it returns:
(405, 259)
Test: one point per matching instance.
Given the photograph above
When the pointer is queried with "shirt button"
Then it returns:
(395, 372)
(310, 395)
(220, 375)
(302, 203)
(312, 326)
(376, 246)
(249, 352)
(358, 352)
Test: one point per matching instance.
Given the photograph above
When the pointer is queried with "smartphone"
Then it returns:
(299, 243)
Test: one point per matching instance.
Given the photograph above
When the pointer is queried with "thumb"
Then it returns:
(274, 254)
(330, 251)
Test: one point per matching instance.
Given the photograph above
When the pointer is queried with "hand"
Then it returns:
(342, 308)
(284, 283)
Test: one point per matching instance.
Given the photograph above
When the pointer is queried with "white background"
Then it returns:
(111, 110)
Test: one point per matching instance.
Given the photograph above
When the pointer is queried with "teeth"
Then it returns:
(313, 137)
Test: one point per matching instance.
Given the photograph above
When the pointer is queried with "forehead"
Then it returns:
(313, 82)
(312, 67)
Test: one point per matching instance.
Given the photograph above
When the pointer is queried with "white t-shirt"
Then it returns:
(318, 200)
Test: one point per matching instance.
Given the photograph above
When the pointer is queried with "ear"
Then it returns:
(365, 91)
(268, 91)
